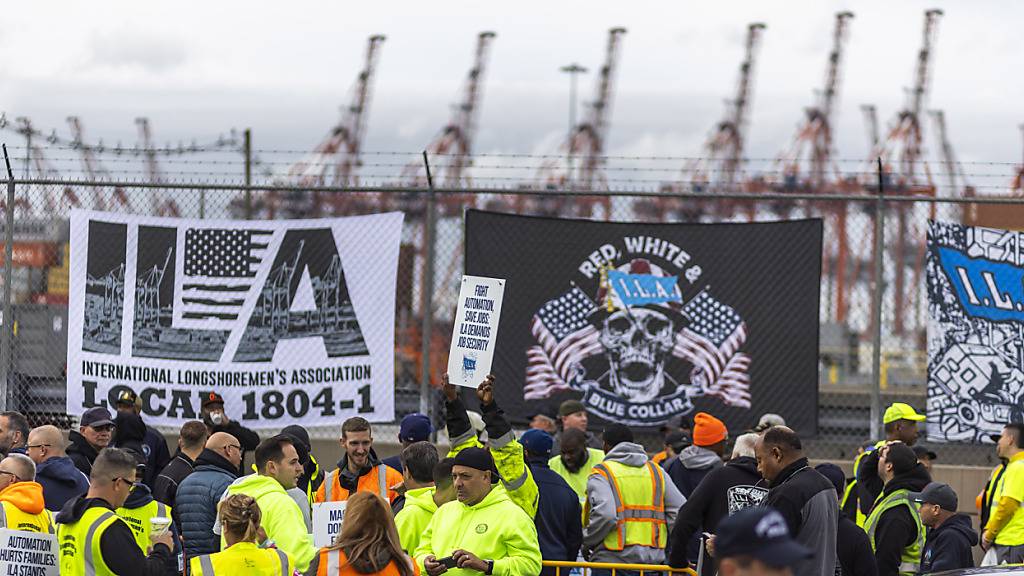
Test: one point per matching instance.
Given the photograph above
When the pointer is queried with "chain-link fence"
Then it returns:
(875, 229)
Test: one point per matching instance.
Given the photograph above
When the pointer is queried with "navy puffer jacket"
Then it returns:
(197, 499)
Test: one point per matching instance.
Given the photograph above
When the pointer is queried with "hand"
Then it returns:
(167, 539)
(986, 542)
(710, 545)
(468, 560)
(432, 566)
(485, 391)
(449, 389)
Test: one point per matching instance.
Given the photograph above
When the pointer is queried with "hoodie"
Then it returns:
(27, 497)
(690, 467)
(948, 546)
(559, 516)
(117, 543)
(724, 490)
(496, 528)
(61, 481)
(896, 527)
(81, 452)
(282, 518)
(413, 518)
(139, 497)
(807, 501)
(602, 517)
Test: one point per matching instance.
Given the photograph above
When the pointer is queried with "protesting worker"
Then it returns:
(278, 466)
(900, 425)
(22, 506)
(217, 420)
(138, 511)
(55, 471)
(483, 531)
(154, 447)
(414, 428)
(368, 543)
(200, 491)
(756, 542)
(507, 453)
(894, 526)
(312, 476)
(575, 461)
(853, 548)
(1003, 515)
(419, 461)
(631, 505)
(559, 516)
(240, 521)
(95, 540)
(95, 431)
(950, 536)
(359, 469)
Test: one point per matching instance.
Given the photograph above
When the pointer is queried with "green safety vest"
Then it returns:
(639, 496)
(80, 543)
(138, 520)
(910, 558)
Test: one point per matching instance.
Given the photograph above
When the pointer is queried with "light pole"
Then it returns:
(573, 70)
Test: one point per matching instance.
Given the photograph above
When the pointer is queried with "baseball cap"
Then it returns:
(924, 452)
(937, 493)
(212, 398)
(126, 396)
(678, 440)
(901, 457)
(415, 427)
(759, 532)
(900, 411)
(537, 441)
(833, 474)
(96, 417)
(571, 407)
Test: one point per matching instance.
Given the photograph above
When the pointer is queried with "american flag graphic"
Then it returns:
(565, 338)
(710, 343)
(220, 265)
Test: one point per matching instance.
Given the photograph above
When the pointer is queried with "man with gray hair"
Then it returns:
(722, 492)
(55, 471)
(21, 498)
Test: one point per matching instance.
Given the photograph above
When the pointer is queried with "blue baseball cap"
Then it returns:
(415, 427)
(537, 441)
(759, 532)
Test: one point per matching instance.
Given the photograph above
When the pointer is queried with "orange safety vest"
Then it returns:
(639, 496)
(378, 480)
(659, 457)
(335, 563)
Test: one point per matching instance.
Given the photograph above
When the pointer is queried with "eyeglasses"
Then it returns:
(130, 483)
(235, 446)
(31, 446)
(13, 475)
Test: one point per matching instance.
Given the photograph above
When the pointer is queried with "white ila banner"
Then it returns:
(291, 321)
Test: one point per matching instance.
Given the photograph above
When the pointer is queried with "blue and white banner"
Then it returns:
(975, 331)
(290, 321)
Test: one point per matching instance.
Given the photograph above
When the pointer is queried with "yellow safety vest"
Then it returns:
(639, 496)
(80, 543)
(310, 490)
(910, 558)
(14, 518)
(851, 488)
(243, 558)
(138, 520)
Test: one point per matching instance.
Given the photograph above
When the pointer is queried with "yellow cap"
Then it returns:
(900, 411)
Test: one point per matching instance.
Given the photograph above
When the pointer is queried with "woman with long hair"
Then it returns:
(240, 520)
(368, 543)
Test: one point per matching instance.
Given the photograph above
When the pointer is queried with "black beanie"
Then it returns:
(477, 459)
(301, 443)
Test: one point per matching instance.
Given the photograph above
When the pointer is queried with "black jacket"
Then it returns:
(869, 484)
(808, 503)
(248, 439)
(117, 544)
(559, 517)
(154, 446)
(165, 487)
(81, 452)
(723, 491)
(896, 527)
(948, 547)
(854, 549)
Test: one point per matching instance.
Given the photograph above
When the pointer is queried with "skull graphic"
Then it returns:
(637, 342)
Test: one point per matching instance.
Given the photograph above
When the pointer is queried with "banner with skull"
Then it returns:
(644, 322)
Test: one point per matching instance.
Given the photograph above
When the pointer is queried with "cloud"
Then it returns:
(127, 48)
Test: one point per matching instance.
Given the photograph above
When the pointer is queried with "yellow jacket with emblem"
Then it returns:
(631, 508)
(493, 529)
(22, 508)
(137, 511)
(243, 558)
(506, 451)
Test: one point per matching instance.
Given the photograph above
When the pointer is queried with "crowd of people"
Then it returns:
(495, 503)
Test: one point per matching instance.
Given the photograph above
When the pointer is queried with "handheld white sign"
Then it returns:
(476, 330)
(327, 518)
(28, 553)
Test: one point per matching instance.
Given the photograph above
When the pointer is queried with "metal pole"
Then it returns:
(248, 173)
(427, 290)
(876, 311)
(573, 70)
(7, 334)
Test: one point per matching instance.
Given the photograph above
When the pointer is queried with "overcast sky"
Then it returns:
(284, 68)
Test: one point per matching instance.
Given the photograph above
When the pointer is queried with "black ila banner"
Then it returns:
(643, 322)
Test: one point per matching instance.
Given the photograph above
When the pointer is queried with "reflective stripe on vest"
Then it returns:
(382, 484)
(910, 557)
(633, 511)
(206, 564)
(329, 486)
(80, 553)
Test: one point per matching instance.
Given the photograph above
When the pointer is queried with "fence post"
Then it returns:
(427, 289)
(247, 149)
(7, 335)
(876, 308)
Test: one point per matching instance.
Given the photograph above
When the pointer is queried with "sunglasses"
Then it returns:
(12, 474)
(130, 483)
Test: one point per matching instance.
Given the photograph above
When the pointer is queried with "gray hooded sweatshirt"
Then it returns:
(602, 511)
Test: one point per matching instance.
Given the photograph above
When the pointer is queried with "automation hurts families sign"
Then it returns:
(647, 321)
(290, 321)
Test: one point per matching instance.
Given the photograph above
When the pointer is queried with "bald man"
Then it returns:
(198, 494)
(22, 497)
(55, 471)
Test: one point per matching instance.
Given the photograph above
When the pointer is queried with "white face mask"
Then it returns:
(216, 418)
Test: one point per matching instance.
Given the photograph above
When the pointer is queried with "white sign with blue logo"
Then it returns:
(475, 331)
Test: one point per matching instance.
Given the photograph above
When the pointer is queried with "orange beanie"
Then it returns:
(708, 430)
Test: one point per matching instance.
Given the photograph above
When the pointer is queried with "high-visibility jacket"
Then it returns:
(639, 496)
(22, 508)
(243, 558)
(138, 520)
(851, 488)
(577, 480)
(910, 557)
(79, 543)
(414, 516)
(333, 562)
(510, 460)
(1007, 481)
(379, 480)
(310, 491)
